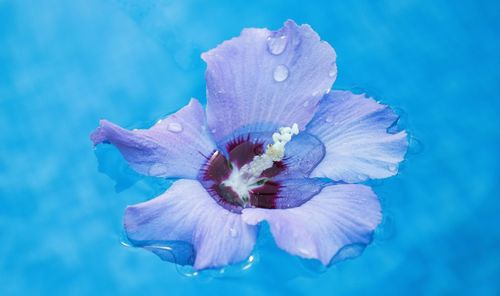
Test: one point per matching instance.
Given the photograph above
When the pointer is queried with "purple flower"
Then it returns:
(274, 144)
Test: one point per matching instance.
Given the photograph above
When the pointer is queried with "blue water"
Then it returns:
(66, 64)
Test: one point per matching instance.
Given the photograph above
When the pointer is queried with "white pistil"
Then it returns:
(248, 177)
(274, 152)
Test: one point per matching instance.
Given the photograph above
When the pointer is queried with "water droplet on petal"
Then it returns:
(304, 251)
(277, 44)
(392, 168)
(329, 119)
(233, 232)
(174, 127)
(333, 70)
(306, 103)
(214, 131)
(280, 73)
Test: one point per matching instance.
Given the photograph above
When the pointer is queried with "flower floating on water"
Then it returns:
(274, 144)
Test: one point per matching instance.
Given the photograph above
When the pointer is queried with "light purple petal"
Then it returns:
(302, 155)
(175, 147)
(265, 79)
(187, 213)
(354, 130)
(295, 192)
(339, 216)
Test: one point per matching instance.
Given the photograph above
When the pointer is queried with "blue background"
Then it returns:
(66, 64)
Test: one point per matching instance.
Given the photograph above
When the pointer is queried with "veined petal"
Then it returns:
(187, 214)
(339, 216)
(354, 130)
(265, 79)
(175, 147)
(295, 192)
(302, 155)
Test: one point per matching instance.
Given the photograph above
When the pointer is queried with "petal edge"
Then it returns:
(355, 132)
(339, 216)
(175, 147)
(186, 214)
(243, 96)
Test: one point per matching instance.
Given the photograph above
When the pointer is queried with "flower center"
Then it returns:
(246, 179)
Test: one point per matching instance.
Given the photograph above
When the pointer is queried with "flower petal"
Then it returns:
(339, 216)
(295, 192)
(302, 155)
(265, 79)
(354, 130)
(186, 213)
(175, 147)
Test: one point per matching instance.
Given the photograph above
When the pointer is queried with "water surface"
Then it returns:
(66, 64)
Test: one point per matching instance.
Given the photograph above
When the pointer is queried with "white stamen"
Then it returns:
(248, 178)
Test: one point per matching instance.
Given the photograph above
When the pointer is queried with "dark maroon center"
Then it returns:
(241, 151)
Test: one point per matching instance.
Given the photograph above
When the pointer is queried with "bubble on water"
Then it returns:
(415, 146)
(175, 127)
(280, 73)
(276, 45)
(250, 261)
